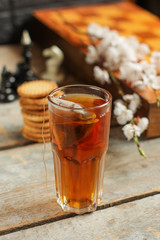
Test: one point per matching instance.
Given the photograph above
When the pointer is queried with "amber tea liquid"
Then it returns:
(79, 143)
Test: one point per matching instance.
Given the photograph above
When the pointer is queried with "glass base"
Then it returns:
(66, 208)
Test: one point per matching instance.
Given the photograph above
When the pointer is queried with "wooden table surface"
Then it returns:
(130, 209)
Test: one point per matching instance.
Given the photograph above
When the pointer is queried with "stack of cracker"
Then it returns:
(34, 108)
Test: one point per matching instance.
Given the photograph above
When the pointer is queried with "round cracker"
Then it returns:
(36, 89)
(36, 135)
(35, 118)
(36, 130)
(36, 113)
(32, 101)
(35, 139)
(36, 124)
(33, 107)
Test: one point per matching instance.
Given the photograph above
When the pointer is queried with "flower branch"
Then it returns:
(117, 83)
(125, 55)
(157, 98)
(112, 52)
(124, 111)
(142, 153)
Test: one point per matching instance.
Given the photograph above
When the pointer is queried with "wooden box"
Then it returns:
(67, 27)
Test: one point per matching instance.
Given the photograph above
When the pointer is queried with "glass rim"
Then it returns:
(81, 85)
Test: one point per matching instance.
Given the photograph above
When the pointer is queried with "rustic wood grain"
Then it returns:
(11, 125)
(24, 201)
(138, 220)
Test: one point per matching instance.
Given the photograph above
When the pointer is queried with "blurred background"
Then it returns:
(15, 15)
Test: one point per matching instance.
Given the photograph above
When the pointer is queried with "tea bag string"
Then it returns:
(44, 147)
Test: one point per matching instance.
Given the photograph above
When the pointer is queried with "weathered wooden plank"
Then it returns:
(23, 192)
(11, 122)
(23, 197)
(138, 220)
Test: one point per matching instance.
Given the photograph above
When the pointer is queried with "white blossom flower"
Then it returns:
(118, 52)
(107, 41)
(140, 75)
(149, 75)
(155, 59)
(111, 59)
(152, 81)
(133, 42)
(97, 30)
(143, 124)
(101, 76)
(123, 115)
(92, 56)
(134, 101)
(131, 72)
(157, 83)
(142, 50)
(139, 85)
(131, 131)
(119, 107)
(148, 69)
(123, 54)
(127, 53)
(115, 49)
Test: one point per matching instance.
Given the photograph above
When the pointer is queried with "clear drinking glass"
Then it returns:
(79, 127)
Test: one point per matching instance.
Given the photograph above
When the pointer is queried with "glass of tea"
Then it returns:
(79, 127)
